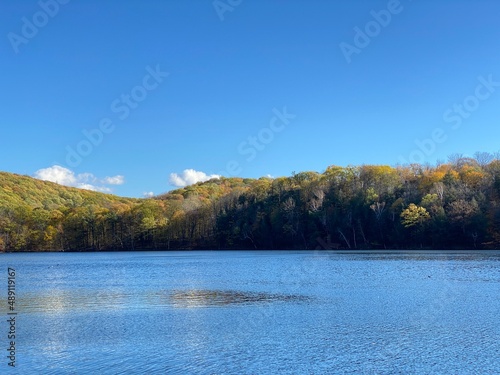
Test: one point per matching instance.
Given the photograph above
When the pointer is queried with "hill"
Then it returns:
(42, 215)
(39, 215)
(17, 190)
(454, 205)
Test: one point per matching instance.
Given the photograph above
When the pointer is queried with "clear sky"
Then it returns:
(135, 97)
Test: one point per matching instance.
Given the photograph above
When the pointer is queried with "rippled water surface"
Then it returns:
(255, 312)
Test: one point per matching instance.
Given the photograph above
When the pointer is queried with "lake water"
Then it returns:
(253, 312)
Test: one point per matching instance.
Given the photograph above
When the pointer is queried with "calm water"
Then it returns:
(255, 313)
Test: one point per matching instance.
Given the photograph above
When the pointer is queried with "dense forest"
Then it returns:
(448, 206)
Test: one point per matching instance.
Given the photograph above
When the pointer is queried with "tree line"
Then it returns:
(453, 205)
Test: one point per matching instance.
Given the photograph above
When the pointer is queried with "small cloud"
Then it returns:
(82, 177)
(148, 194)
(189, 177)
(66, 177)
(116, 180)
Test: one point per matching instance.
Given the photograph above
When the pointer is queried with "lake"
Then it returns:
(254, 312)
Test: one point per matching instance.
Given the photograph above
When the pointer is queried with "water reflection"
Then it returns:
(202, 298)
(64, 301)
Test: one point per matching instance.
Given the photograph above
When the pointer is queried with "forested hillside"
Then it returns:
(454, 205)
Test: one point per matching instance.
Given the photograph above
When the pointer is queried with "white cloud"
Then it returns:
(82, 177)
(148, 194)
(57, 174)
(65, 176)
(189, 177)
(115, 180)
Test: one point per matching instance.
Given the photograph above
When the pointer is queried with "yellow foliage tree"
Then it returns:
(414, 215)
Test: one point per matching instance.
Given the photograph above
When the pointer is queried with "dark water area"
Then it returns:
(254, 312)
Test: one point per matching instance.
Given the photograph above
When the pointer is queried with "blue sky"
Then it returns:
(241, 88)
